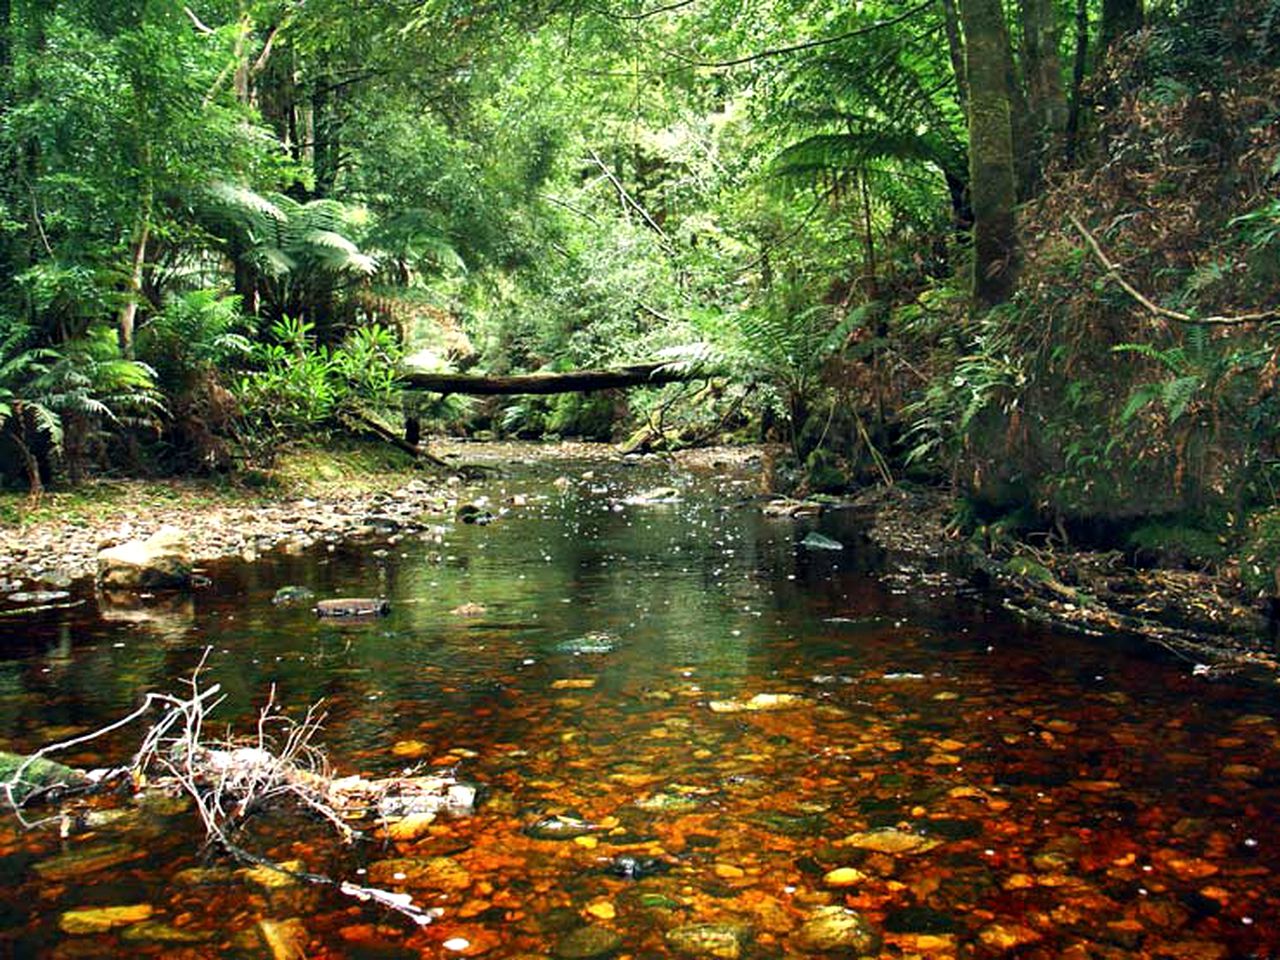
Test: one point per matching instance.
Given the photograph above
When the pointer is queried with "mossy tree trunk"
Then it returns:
(992, 177)
(1042, 67)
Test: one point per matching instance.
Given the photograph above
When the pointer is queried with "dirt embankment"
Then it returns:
(1201, 616)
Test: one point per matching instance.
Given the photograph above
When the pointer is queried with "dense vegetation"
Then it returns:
(1030, 249)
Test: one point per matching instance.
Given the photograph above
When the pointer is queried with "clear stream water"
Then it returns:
(1058, 797)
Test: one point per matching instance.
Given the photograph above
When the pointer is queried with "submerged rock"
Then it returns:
(560, 828)
(436, 873)
(588, 644)
(354, 607)
(760, 703)
(837, 928)
(93, 920)
(726, 941)
(284, 939)
(892, 841)
(657, 495)
(38, 596)
(87, 858)
(586, 943)
(292, 596)
(161, 562)
(816, 541)
(156, 931)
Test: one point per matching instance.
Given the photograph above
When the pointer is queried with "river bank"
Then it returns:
(350, 489)
(1202, 616)
(312, 493)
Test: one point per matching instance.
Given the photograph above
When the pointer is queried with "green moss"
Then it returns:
(1177, 545)
(1024, 567)
(1260, 556)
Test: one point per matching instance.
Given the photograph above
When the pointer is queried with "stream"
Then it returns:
(694, 736)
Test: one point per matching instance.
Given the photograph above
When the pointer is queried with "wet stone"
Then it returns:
(90, 858)
(920, 920)
(726, 941)
(440, 873)
(586, 943)
(103, 919)
(890, 840)
(1006, 936)
(835, 928)
(560, 828)
(293, 596)
(156, 931)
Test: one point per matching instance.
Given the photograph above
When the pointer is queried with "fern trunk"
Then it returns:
(992, 177)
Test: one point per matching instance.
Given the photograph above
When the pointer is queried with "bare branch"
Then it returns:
(804, 45)
(1113, 271)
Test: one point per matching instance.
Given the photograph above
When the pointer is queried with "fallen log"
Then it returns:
(575, 381)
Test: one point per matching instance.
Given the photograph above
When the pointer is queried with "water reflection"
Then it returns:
(947, 772)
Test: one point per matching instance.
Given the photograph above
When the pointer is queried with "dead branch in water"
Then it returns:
(230, 779)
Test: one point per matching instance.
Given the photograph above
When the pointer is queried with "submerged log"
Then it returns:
(23, 778)
(576, 381)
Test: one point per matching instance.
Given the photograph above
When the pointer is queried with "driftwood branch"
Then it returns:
(577, 381)
(1113, 271)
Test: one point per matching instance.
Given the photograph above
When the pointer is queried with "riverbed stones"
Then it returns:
(1003, 937)
(837, 929)
(92, 920)
(760, 703)
(284, 939)
(436, 873)
(587, 943)
(353, 607)
(892, 841)
(726, 941)
(86, 859)
(156, 931)
(560, 827)
(160, 562)
(842, 877)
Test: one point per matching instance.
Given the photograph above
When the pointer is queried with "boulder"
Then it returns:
(161, 562)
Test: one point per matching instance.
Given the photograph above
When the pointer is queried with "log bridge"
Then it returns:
(576, 381)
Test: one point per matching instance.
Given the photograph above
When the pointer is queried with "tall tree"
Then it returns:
(1042, 68)
(992, 177)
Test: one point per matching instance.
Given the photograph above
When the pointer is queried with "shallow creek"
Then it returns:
(923, 777)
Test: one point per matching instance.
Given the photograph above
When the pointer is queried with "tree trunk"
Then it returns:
(1026, 158)
(992, 178)
(578, 381)
(9, 162)
(1077, 79)
(133, 289)
(28, 458)
(1118, 18)
(955, 47)
(1042, 66)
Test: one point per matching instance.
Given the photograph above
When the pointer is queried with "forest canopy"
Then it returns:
(1027, 249)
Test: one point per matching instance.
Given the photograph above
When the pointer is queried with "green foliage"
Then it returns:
(196, 334)
(1260, 555)
(300, 385)
(1177, 544)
